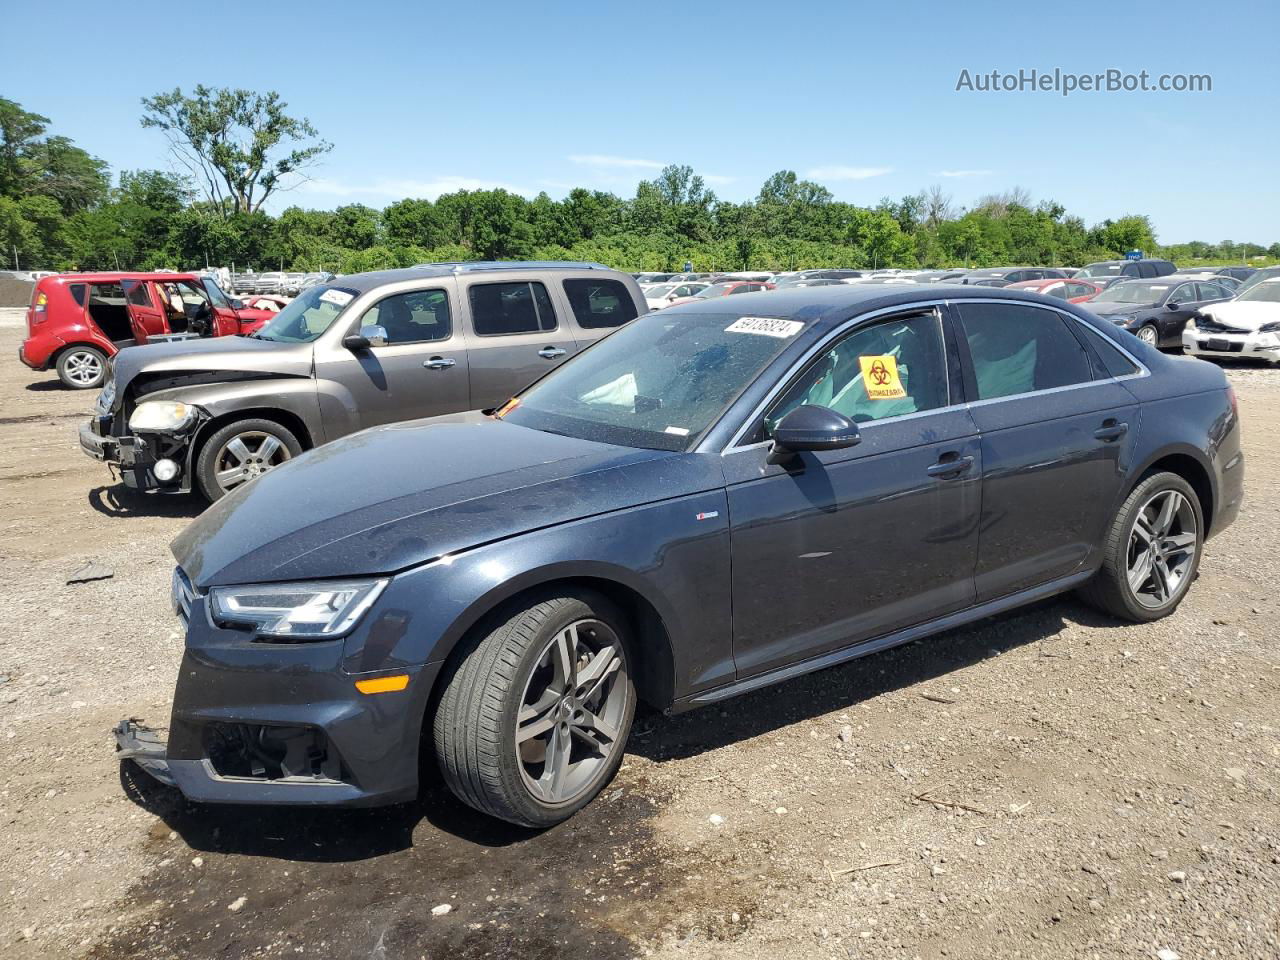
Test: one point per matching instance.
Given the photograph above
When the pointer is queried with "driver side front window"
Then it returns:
(890, 369)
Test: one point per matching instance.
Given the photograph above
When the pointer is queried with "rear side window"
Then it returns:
(1114, 363)
(598, 304)
(417, 317)
(503, 309)
(79, 293)
(1020, 349)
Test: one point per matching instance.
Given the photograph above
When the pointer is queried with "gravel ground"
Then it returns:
(1047, 784)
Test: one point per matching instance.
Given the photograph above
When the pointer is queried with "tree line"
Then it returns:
(231, 150)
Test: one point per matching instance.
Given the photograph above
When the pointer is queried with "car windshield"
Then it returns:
(1133, 292)
(1270, 273)
(1101, 270)
(715, 290)
(657, 383)
(310, 314)
(661, 290)
(1268, 292)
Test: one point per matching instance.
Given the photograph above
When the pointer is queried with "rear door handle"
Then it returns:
(950, 466)
(550, 353)
(1111, 430)
(439, 363)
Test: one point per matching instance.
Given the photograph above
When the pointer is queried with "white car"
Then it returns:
(1248, 326)
(663, 294)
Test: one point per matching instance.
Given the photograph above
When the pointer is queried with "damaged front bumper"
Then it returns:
(135, 457)
(144, 747)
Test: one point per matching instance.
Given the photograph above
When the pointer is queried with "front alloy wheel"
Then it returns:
(536, 707)
(240, 452)
(1148, 334)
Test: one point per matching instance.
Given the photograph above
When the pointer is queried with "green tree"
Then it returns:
(237, 144)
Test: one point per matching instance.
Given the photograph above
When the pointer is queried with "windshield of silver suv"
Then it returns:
(309, 315)
(658, 382)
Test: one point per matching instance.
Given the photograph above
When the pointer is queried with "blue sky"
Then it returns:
(419, 98)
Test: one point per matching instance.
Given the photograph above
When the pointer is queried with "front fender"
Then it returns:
(663, 553)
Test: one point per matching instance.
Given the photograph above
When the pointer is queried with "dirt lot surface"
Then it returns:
(1049, 784)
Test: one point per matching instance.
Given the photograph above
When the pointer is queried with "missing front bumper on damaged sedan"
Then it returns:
(238, 752)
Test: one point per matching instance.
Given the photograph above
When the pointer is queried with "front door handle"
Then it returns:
(950, 466)
(1111, 430)
(439, 363)
(550, 353)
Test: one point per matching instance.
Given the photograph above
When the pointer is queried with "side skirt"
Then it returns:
(868, 647)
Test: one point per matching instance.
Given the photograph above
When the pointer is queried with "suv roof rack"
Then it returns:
(475, 266)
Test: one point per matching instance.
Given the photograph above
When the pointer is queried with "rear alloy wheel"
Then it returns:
(1149, 334)
(534, 717)
(82, 368)
(1152, 551)
(241, 452)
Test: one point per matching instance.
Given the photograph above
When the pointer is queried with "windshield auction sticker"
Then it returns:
(765, 327)
(339, 298)
(880, 377)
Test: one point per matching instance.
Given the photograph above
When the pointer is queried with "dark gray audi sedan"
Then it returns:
(714, 498)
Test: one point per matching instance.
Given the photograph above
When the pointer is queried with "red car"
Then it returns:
(260, 309)
(724, 289)
(77, 320)
(1073, 291)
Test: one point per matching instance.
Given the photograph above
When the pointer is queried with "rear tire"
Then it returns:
(263, 445)
(1138, 583)
(534, 715)
(82, 368)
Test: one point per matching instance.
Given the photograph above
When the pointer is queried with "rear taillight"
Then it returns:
(38, 306)
(1235, 404)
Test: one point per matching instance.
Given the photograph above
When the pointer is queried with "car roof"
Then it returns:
(115, 276)
(369, 281)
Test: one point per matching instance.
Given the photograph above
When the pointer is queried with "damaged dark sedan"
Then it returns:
(715, 498)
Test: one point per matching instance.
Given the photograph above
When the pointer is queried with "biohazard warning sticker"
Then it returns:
(880, 377)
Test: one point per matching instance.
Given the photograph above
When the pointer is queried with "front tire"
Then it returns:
(241, 451)
(82, 368)
(535, 713)
(1151, 552)
(1148, 334)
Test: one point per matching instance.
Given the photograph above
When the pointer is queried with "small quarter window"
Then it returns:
(602, 303)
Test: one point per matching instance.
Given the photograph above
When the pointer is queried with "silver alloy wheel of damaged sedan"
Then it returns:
(1162, 548)
(571, 712)
(1148, 334)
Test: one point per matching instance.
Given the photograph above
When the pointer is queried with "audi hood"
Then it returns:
(395, 496)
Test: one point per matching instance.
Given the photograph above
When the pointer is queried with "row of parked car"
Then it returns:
(710, 499)
(276, 282)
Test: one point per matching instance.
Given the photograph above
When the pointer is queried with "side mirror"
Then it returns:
(370, 336)
(1171, 305)
(812, 427)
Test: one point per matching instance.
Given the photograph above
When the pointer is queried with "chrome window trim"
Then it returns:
(736, 445)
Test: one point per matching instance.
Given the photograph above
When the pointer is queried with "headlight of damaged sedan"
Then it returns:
(162, 416)
(1272, 327)
(321, 610)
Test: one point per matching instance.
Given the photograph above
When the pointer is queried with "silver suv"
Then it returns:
(356, 351)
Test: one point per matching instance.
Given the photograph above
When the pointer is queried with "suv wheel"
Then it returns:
(1149, 334)
(82, 368)
(241, 451)
(535, 714)
(1152, 551)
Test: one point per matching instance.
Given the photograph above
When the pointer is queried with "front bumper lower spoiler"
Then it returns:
(144, 747)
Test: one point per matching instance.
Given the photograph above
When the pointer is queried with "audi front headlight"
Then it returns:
(161, 415)
(320, 610)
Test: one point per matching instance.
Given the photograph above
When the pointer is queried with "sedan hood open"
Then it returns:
(399, 495)
(1244, 315)
(235, 355)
